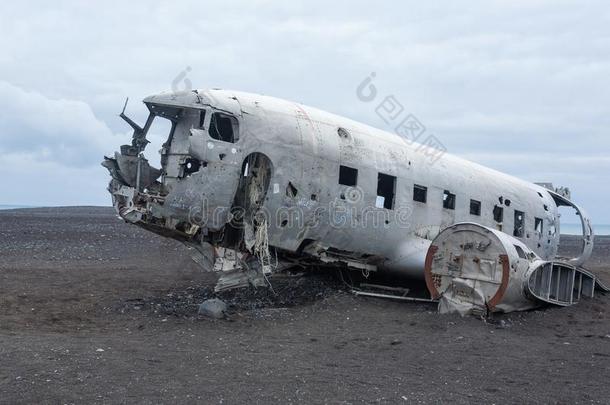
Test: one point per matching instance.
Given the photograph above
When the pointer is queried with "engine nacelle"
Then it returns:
(474, 269)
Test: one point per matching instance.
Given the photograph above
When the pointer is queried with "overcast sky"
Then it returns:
(520, 86)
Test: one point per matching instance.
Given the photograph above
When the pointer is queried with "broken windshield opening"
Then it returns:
(159, 133)
(223, 128)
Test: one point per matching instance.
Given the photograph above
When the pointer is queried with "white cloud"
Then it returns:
(50, 150)
(519, 79)
(64, 131)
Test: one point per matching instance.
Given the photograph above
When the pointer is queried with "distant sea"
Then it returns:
(12, 207)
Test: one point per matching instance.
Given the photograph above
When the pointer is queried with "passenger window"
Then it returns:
(475, 207)
(448, 200)
(519, 230)
(201, 119)
(348, 176)
(386, 187)
(420, 193)
(498, 214)
(538, 225)
(223, 128)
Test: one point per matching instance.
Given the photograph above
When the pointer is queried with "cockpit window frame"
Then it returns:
(212, 126)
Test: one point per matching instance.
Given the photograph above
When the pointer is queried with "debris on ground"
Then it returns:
(288, 291)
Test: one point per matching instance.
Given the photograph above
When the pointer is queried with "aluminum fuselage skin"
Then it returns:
(306, 148)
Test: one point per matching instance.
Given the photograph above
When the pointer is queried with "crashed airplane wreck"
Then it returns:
(255, 185)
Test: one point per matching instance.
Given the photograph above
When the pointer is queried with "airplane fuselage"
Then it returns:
(322, 186)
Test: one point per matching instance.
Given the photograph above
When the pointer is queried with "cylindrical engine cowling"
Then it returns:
(473, 269)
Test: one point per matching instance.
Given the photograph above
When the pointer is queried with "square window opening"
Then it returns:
(223, 128)
(348, 176)
(475, 207)
(386, 189)
(538, 225)
(420, 193)
(519, 225)
(498, 214)
(448, 200)
(201, 119)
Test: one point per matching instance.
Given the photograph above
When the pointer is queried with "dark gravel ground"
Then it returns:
(94, 310)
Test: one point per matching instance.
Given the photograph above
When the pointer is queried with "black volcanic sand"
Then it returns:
(94, 310)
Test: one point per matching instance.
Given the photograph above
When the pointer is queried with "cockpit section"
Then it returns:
(191, 192)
